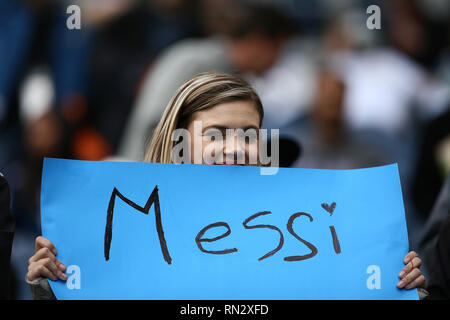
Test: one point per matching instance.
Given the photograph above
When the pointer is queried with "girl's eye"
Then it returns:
(216, 134)
(252, 137)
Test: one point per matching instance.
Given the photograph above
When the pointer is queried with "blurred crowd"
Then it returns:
(342, 95)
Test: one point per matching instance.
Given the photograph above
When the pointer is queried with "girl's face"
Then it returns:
(218, 130)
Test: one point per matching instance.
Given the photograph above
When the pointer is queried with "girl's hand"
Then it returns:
(44, 263)
(411, 275)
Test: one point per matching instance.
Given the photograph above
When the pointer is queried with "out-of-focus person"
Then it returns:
(327, 142)
(6, 239)
(435, 246)
(391, 87)
(127, 41)
(43, 135)
(35, 33)
(433, 163)
(260, 46)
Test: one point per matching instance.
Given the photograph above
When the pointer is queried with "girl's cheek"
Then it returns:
(252, 153)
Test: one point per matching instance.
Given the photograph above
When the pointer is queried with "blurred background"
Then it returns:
(350, 97)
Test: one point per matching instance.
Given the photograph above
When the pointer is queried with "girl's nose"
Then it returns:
(234, 152)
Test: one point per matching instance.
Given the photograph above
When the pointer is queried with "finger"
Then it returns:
(61, 266)
(417, 283)
(39, 270)
(50, 265)
(45, 253)
(414, 263)
(62, 275)
(42, 253)
(43, 242)
(56, 267)
(411, 255)
(410, 277)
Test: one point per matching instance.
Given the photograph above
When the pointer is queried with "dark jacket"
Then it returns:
(439, 264)
(6, 238)
(435, 246)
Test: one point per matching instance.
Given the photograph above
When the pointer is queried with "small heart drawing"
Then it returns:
(328, 208)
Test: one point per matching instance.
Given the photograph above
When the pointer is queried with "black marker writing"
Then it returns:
(309, 245)
(280, 245)
(329, 209)
(199, 239)
(153, 199)
(336, 244)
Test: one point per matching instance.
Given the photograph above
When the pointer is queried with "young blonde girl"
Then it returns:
(218, 102)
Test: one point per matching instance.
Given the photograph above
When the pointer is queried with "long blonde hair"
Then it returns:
(201, 92)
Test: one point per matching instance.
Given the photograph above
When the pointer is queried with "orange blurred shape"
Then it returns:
(89, 144)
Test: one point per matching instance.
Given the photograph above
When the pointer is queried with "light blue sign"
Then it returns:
(166, 231)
